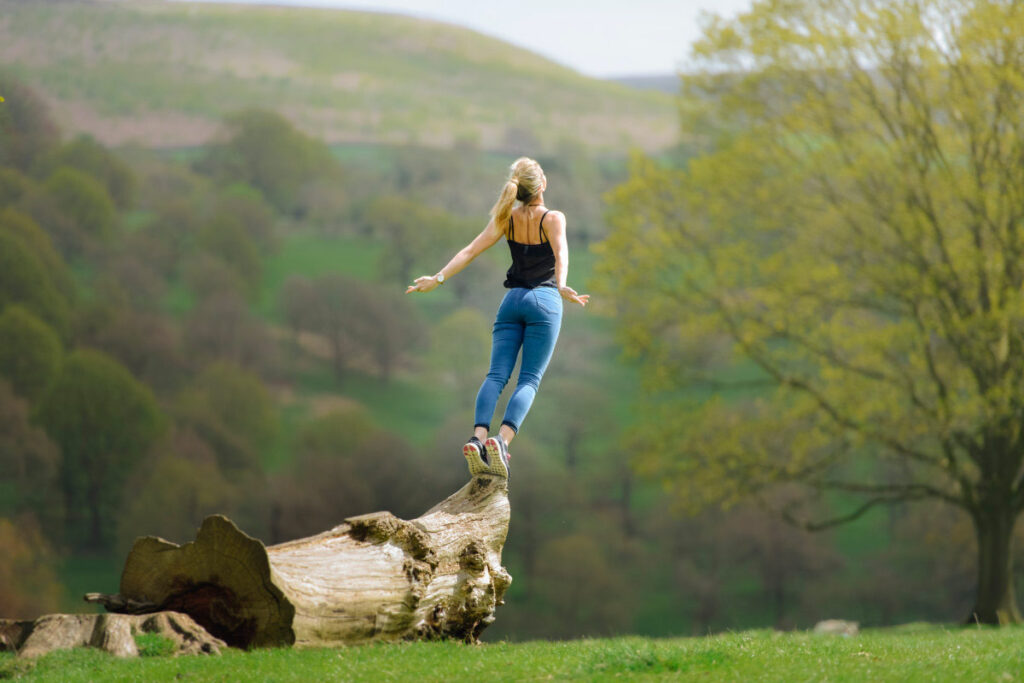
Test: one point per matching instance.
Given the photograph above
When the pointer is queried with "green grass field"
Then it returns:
(164, 73)
(909, 653)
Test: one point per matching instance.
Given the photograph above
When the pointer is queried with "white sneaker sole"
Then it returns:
(494, 457)
(473, 459)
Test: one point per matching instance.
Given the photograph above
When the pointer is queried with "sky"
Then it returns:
(601, 38)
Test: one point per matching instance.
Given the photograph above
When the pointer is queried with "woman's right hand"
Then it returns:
(423, 284)
(569, 294)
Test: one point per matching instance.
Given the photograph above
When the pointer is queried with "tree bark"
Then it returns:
(374, 577)
(995, 601)
(113, 633)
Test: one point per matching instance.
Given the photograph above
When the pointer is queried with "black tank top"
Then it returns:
(533, 265)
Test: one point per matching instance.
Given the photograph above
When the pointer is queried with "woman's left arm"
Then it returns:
(555, 230)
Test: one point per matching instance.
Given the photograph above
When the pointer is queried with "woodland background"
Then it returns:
(202, 253)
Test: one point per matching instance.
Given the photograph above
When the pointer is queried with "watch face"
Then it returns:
(440, 277)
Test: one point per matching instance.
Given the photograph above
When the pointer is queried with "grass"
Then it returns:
(178, 67)
(911, 653)
(311, 255)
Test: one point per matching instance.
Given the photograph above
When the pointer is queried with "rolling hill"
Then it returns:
(162, 74)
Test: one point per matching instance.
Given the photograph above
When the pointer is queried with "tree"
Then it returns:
(26, 129)
(30, 352)
(28, 583)
(329, 480)
(460, 349)
(175, 490)
(90, 157)
(225, 238)
(232, 411)
(30, 462)
(222, 328)
(416, 236)
(22, 227)
(334, 311)
(263, 149)
(14, 186)
(148, 344)
(437, 576)
(388, 328)
(850, 234)
(25, 280)
(83, 199)
(104, 421)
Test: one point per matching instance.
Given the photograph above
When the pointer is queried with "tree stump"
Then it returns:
(114, 633)
(374, 577)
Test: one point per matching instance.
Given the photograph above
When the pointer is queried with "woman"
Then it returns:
(529, 316)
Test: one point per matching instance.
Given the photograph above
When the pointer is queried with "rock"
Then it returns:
(837, 627)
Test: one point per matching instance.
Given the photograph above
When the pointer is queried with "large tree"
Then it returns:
(104, 420)
(263, 149)
(849, 238)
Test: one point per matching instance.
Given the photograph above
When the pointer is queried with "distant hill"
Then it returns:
(666, 83)
(163, 73)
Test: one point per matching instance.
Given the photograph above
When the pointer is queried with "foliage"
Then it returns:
(412, 232)
(26, 129)
(851, 231)
(85, 214)
(225, 238)
(93, 159)
(39, 243)
(221, 328)
(460, 346)
(356, 320)
(264, 150)
(14, 186)
(31, 464)
(176, 488)
(30, 352)
(330, 479)
(148, 344)
(25, 280)
(231, 410)
(104, 421)
(28, 585)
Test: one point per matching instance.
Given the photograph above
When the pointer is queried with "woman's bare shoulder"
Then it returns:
(555, 218)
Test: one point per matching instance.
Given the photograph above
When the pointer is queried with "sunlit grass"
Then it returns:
(917, 652)
(350, 75)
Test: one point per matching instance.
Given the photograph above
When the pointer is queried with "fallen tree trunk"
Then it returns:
(374, 577)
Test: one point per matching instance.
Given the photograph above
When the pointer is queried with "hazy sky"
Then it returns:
(597, 37)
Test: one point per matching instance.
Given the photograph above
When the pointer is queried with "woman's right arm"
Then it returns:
(487, 238)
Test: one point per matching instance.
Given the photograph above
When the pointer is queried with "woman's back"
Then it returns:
(526, 225)
(533, 260)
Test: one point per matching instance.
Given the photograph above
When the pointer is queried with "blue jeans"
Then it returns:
(529, 319)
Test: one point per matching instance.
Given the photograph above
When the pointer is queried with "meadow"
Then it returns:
(164, 73)
(916, 652)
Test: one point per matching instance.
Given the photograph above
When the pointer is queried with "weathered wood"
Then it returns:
(113, 633)
(374, 577)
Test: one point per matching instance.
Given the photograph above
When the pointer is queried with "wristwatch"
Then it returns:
(440, 278)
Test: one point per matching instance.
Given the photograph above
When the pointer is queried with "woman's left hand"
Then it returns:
(569, 294)
(423, 284)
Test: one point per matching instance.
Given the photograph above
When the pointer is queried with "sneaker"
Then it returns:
(476, 457)
(497, 456)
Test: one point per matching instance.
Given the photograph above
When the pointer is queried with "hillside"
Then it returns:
(162, 74)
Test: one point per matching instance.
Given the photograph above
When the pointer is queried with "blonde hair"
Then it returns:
(525, 181)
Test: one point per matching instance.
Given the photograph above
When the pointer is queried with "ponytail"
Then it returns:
(502, 209)
(525, 181)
